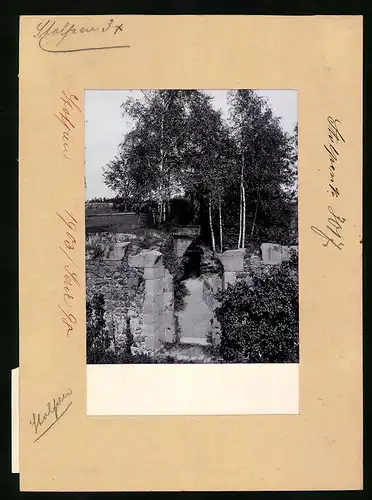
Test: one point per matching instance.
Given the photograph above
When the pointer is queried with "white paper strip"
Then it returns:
(194, 389)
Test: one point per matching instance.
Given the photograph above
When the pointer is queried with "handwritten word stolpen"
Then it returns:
(70, 104)
(334, 136)
(43, 422)
(332, 232)
(51, 36)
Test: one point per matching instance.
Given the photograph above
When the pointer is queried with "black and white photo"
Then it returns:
(191, 226)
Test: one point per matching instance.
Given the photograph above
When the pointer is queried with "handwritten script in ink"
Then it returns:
(59, 37)
(334, 136)
(65, 116)
(70, 278)
(55, 409)
(331, 232)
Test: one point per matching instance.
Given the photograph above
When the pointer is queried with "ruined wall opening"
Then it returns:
(191, 261)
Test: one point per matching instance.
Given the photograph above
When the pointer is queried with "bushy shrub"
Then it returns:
(95, 250)
(173, 264)
(212, 345)
(129, 340)
(98, 341)
(259, 321)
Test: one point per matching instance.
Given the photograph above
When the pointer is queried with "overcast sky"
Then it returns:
(105, 127)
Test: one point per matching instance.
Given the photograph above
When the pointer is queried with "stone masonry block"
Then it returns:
(151, 273)
(168, 282)
(153, 306)
(118, 252)
(169, 334)
(152, 320)
(150, 330)
(229, 277)
(154, 287)
(190, 231)
(233, 260)
(216, 282)
(181, 245)
(154, 342)
(285, 253)
(150, 342)
(271, 253)
(168, 299)
(168, 319)
(146, 258)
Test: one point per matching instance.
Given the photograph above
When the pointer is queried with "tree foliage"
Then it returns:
(259, 322)
(238, 175)
(267, 155)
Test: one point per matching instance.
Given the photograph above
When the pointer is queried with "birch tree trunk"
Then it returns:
(242, 204)
(244, 213)
(211, 225)
(161, 167)
(220, 217)
(160, 211)
(164, 171)
(240, 216)
(255, 216)
(164, 210)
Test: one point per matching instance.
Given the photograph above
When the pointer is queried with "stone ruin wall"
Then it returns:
(158, 305)
(137, 286)
(240, 265)
(212, 284)
(140, 286)
(123, 288)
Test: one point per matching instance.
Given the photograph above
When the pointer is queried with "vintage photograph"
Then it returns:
(191, 226)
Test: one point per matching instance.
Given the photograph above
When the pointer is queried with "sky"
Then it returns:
(105, 127)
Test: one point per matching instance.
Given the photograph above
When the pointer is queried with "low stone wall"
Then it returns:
(182, 237)
(158, 306)
(212, 284)
(123, 289)
(233, 263)
(273, 254)
(239, 265)
(137, 285)
(134, 284)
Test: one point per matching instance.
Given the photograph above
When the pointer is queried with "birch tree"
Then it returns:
(208, 159)
(150, 153)
(265, 155)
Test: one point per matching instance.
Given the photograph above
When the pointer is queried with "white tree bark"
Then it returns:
(240, 216)
(161, 166)
(221, 230)
(255, 216)
(242, 204)
(211, 225)
(244, 213)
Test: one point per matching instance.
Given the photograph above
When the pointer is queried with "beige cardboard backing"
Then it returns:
(321, 448)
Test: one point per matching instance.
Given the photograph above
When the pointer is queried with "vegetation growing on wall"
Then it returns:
(259, 321)
(174, 266)
(98, 341)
